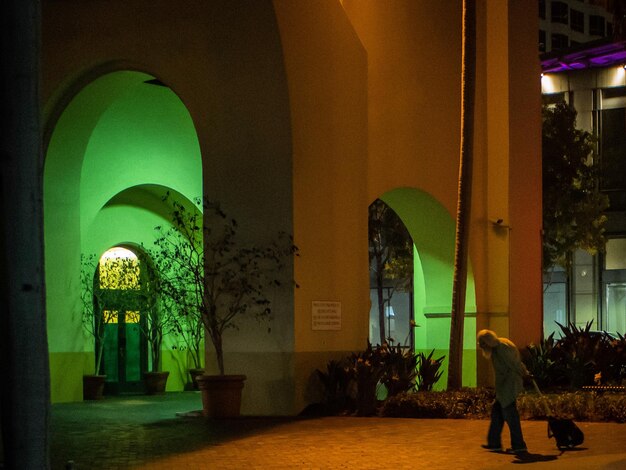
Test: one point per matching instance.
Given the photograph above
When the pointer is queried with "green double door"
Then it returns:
(124, 357)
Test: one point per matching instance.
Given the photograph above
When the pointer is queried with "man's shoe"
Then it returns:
(492, 448)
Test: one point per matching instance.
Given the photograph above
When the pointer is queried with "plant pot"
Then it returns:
(93, 386)
(155, 382)
(194, 373)
(221, 395)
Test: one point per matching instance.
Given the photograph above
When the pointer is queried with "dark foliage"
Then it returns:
(540, 362)
(580, 357)
(210, 277)
(573, 207)
(428, 371)
(475, 403)
(353, 384)
(335, 381)
(400, 369)
(464, 403)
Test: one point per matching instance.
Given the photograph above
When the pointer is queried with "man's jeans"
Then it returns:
(499, 416)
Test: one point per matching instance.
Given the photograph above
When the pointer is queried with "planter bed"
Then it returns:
(476, 404)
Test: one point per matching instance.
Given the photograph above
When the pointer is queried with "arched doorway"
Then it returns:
(118, 305)
(431, 230)
(391, 277)
(116, 148)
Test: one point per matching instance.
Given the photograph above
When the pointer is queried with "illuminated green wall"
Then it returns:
(116, 148)
(433, 230)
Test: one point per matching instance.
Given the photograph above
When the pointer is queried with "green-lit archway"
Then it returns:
(432, 229)
(119, 144)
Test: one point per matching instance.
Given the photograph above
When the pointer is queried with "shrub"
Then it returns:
(335, 381)
(476, 404)
(352, 384)
(399, 369)
(428, 372)
(366, 370)
(611, 407)
(465, 403)
(414, 405)
(572, 405)
(539, 360)
(578, 358)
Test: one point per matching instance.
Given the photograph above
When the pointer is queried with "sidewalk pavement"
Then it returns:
(168, 432)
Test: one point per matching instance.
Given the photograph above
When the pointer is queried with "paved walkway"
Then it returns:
(165, 432)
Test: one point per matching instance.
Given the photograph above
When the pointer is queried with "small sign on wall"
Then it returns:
(326, 315)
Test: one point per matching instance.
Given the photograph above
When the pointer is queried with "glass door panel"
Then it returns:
(110, 362)
(124, 352)
(554, 307)
(133, 347)
(616, 307)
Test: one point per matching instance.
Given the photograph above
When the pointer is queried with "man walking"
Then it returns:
(509, 375)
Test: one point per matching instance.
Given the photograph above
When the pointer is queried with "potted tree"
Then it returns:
(94, 323)
(190, 331)
(159, 320)
(206, 272)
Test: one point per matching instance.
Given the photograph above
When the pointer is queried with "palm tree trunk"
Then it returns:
(25, 389)
(457, 314)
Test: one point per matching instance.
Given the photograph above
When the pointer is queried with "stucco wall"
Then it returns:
(305, 112)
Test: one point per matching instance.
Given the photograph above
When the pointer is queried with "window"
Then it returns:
(614, 280)
(542, 9)
(555, 303)
(584, 288)
(596, 25)
(577, 20)
(616, 307)
(560, 41)
(615, 253)
(542, 40)
(119, 269)
(553, 98)
(559, 12)
(613, 156)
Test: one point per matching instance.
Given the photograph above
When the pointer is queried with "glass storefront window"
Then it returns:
(554, 307)
(398, 316)
(585, 289)
(616, 253)
(616, 307)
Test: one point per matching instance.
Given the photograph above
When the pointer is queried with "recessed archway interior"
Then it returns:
(121, 143)
(432, 231)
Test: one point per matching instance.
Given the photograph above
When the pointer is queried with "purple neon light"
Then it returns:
(593, 56)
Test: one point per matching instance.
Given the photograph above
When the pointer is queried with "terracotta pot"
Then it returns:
(155, 382)
(93, 386)
(221, 395)
(194, 373)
